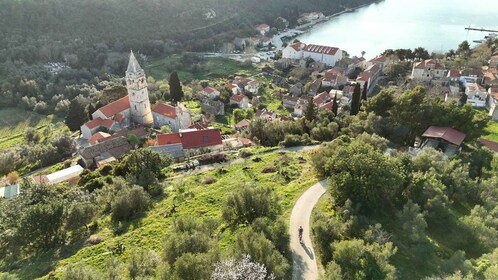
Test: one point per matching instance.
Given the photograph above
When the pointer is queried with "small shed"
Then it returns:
(9, 192)
(445, 139)
(63, 175)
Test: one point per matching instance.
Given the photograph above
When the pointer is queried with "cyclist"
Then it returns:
(300, 231)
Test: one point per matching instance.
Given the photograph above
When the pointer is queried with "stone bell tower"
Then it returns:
(136, 84)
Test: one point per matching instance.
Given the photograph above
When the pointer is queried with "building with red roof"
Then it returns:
(175, 117)
(97, 137)
(194, 140)
(240, 100)
(242, 124)
(428, 70)
(91, 127)
(444, 139)
(324, 54)
(210, 92)
(263, 28)
(491, 145)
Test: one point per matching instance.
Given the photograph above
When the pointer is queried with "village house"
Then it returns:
(301, 105)
(193, 141)
(97, 137)
(297, 89)
(263, 28)
(321, 99)
(476, 95)
(492, 103)
(212, 107)
(234, 88)
(428, 70)
(243, 124)
(105, 152)
(491, 145)
(310, 17)
(453, 75)
(59, 176)
(173, 150)
(240, 101)
(265, 114)
(490, 78)
(471, 76)
(248, 84)
(324, 54)
(444, 139)
(175, 117)
(381, 61)
(315, 87)
(289, 101)
(370, 76)
(334, 78)
(210, 92)
(493, 61)
(134, 108)
(356, 62)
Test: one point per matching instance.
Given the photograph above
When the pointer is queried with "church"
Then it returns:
(135, 108)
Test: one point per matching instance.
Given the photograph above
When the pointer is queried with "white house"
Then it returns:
(59, 176)
(210, 92)
(370, 76)
(91, 127)
(240, 100)
(476, 95)
(492, 103)
(381, 61)
(10, 191)
(175, 117)
(428, 70)
(263, 28)
(323, 54)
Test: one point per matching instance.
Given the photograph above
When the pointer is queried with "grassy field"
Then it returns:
(15, 121)
(192, 198)
(492, 131)
(209, 68)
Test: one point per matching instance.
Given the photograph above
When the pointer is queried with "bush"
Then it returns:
(128, 202)
(246, 204)
(208, 181)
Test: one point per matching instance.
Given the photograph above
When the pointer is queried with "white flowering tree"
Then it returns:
(242, 269)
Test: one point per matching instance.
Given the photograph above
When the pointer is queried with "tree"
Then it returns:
(143, 264)
(413, 222)
(76, 116)
(246, 204)
(13, 177)
(421, 53)
(355, 102)
(381, 103)
(310, 111)
(335, 105)
(175, 87)
(241, 269)
(144, 166)
(463, 49)
(80, 214)
(80, 272)
(364, 92)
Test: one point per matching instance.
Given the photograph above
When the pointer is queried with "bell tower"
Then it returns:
(136, 85)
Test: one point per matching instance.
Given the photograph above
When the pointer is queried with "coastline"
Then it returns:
(310, 25)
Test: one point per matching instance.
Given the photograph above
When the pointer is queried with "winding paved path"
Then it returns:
(303, 257)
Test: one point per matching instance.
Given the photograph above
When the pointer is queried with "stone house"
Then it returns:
(175, 117)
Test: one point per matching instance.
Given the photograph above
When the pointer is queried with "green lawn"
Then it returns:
(15, 121)
(209, 68)
(492, 131)
(192, 198)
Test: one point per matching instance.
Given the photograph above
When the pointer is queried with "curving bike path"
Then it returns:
(303, 257)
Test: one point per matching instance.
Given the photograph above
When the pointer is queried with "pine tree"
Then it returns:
(76, 115)
(175, 87)
(364, 92)
(355, 102)
(335, 105)
(310, 111)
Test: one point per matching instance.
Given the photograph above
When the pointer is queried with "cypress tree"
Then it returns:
(355, 102)
(76, 116)
(364, 93)
(310, 110)
(335, 105)
(175, 87)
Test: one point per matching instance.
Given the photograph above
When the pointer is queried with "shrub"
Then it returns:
(247, 203)
(128, 202)
(208, 181)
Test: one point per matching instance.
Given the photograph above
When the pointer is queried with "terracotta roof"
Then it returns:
(447, 133)
(425, 63)
(107, 123)
(115, 107)
(192, 139)
(492, 145)
(262, 26)
(328, 105)
(475, 87)
(98, 136)
(119, 117)
(237, 97)
(168, 138)
(297, 46)
(243, 123)
(363, 78)
(321, 49)
(93, 123)
(246, 142)
(209, 90)
(139, 132)
(453, 73)
(379, 59)
(321, 98)
(199, 125)
(165, 110)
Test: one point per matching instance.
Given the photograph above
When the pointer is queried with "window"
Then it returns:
(204, 139)
(135, 107)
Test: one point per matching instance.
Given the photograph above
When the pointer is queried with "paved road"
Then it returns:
(303, 256)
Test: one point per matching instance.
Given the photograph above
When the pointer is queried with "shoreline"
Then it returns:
(307, 26)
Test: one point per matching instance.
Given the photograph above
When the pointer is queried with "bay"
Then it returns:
(437, 25)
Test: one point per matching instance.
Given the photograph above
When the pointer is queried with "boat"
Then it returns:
(478, 41)
(491, 36)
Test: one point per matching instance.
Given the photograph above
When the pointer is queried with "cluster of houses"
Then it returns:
(471, 83)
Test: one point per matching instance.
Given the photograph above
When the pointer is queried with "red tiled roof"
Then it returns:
(321, 49)
(119, 117)
(199, 125)
(243, 123)
(453, 73)
(321, 98)
(363, 78)
(425, 63)
(297, 46)
(237, 97)
(192, 139)
(115, 107)
(93, 123)
(165, 110)
(379, 59)
(107, 123)
(209, 90)
(492, 145)
(97, 136)
(447, 133)
(246, 142)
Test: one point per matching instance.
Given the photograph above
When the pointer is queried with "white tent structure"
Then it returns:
(64, 174)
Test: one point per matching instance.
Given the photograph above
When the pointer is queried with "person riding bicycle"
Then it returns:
(300, 231)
